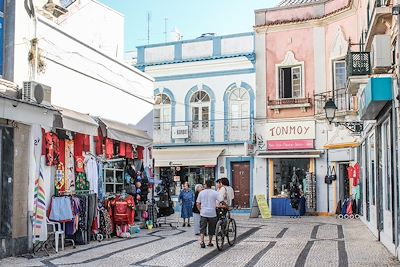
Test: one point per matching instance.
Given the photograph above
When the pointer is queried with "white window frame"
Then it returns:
(163, 123)
(200, 105)
(334, 67)
(289, 62)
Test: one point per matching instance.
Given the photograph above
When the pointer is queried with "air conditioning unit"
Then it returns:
(381, 53)
(55, 7)
(37, 93)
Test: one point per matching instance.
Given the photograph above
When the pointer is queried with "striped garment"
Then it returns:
(39, 210)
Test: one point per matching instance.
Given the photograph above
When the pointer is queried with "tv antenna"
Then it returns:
(148, 26)
(165, 29)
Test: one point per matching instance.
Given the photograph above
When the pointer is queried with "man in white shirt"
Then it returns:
(207, 204)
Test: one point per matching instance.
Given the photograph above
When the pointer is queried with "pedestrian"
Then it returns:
(207, 204)
(196, 213)
(186, 198)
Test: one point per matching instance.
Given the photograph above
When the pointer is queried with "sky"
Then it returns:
(190, 17)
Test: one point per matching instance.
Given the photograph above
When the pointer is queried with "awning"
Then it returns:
(126, 133)
(77, 122)
(343, 145)
(194, 156)
(287, 154)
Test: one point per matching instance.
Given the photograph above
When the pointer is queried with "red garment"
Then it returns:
(52, 146)
(99, 145)
(139, 150)
(78, 144)
(128, 151)
(109, 148)
(62, 151)
(43, 142)
(86, 143)
(122, 149)
(356, 174)
(350, 172)
(123, 210)
(79, 166)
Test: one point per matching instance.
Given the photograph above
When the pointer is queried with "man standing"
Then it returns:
(207, 204)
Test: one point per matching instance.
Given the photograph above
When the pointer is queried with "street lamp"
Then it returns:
(330, 112)
(396, 10)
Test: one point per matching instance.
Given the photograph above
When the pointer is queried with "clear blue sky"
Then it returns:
(191, 17)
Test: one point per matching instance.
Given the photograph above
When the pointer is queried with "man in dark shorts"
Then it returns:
(207, 203)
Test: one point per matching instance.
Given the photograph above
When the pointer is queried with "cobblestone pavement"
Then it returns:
(307, 241)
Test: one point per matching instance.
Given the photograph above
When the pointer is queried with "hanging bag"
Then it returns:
(332, 174)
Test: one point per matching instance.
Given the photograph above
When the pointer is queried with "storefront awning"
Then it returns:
(126, 133)
(287, 154)
(195, 156)
(75, 121)
(343, 145)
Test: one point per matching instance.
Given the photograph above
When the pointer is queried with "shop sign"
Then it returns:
(290, 144)
(179, 132)
(248, 149)
(293, 130)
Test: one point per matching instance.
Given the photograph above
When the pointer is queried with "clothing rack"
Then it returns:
(76, 192)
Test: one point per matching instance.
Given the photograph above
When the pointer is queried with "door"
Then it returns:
(344, 183)
(6, 179)
(241, 183)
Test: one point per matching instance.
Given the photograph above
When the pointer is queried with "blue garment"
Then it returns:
(187, 199)
(100, 188)
(61, 209)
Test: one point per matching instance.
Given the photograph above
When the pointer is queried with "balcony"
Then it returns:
(345, 102)
(204, 132)
(358, 67)
(375, 96)
(379, 20)
(286, 103)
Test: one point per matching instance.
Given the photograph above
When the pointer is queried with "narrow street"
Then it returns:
(308, 241)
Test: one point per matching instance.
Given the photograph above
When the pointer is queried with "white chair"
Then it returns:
(58, 232)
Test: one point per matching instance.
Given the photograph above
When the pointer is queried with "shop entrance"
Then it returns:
(6, 179)
(241, 183)
(344, 183)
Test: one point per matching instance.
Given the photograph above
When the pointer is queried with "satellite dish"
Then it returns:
(39, 93)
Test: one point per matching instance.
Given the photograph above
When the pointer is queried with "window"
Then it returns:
(239, 113)
(200, 108)
(290, 83)
(162, 112)
(386, 162)
(340, 76)
(371, 165)
(114, 176)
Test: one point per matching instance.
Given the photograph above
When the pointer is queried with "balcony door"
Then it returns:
(200, 114)
(162, 119)
(239, 115)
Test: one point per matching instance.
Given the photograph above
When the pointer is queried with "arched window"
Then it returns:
(239, 113)
(200, 109)
(162, 112)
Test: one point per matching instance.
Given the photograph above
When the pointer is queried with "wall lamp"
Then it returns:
(330, 112)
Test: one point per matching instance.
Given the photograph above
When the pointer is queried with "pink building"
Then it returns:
(301, 49)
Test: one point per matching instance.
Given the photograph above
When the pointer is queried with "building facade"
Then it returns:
(73, 73)
(204, 110)
(301, 49)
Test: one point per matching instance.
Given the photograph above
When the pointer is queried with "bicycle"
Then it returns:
(226, 227)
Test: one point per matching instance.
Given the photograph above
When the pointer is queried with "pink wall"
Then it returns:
(300, 42)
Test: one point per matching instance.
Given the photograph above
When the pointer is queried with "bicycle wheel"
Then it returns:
(219, 235)
(231, 232)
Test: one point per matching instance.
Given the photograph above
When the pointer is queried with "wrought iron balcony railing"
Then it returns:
(288, 101)
(345, 102)
(358, 63)
(203, 131)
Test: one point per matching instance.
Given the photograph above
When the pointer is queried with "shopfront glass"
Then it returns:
(284, 169)
(198, 175)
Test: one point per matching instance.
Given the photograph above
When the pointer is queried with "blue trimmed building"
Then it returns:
(204, 109)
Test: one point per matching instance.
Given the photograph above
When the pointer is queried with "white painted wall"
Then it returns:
(97, 25)
(197, 49)
(69, 62)
(243, 44)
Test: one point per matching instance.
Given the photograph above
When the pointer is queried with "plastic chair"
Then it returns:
(58, 232)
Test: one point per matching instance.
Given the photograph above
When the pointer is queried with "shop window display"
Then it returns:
(283, 173)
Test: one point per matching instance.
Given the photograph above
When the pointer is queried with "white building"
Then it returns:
(79, 64)
(204, 113)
